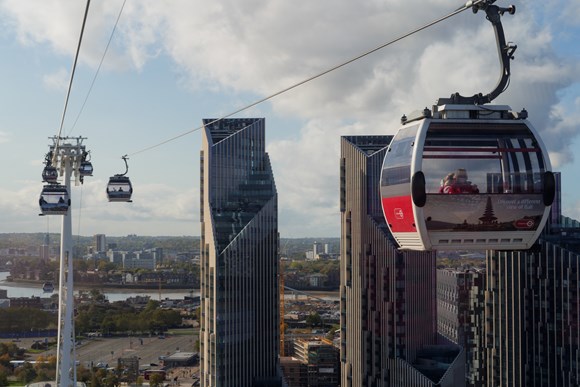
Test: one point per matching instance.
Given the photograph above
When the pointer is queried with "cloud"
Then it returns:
(306, 174)
(574, 211)
(258, 47)
(156, 210)
(57, 24)
(58, 80)
(4, 137)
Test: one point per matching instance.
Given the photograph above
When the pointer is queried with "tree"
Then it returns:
(156, 380)
(97, 296)
(25, 373)
(4, 372)
(313, 319)
(108, 325)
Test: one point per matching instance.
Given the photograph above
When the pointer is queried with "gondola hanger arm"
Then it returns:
(505, 52)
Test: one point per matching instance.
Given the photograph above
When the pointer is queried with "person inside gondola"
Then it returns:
(458, 183)
(446, 183)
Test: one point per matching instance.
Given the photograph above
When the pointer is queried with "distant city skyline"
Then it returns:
(170, 64)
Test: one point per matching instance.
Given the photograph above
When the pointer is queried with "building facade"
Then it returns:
(100, 243)
(460, 317)
(388, 299)
(322, 361)
(295, 372)
(532, 308)
(239, 333)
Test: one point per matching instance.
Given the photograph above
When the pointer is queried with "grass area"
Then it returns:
(183, 332)
(35, 351)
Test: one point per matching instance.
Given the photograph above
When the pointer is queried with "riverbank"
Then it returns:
(153, 286)
(15, 282)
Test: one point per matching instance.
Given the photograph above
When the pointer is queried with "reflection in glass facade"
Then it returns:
(239, 337)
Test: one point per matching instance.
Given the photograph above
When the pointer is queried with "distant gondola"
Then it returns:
(49, 173)
(48, 287)
(86, 167)
(54, 200)
(119, 188)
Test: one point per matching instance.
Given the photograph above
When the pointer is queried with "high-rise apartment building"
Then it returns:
(532, 332)
(533, 309)
(239, 335)
(100, 243)
(388, 299)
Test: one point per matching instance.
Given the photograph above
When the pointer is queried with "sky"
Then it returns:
(172, 63)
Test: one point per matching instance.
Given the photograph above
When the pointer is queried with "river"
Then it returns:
(20, 289)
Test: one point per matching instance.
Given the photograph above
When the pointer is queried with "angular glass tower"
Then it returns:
(239, 336)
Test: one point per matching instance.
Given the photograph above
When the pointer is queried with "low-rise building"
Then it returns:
(322, 361)
(181, 359)
(295, 372)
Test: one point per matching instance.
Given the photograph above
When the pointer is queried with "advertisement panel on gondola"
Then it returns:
(483, 212)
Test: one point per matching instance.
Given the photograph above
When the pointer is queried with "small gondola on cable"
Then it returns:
(54, 200)
(48, 287)
(119, 188)
(465, 175)
(49, 173)
(86, 167)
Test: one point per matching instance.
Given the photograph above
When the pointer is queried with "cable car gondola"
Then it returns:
(85, 167)
(54, 200)
(48, 287)
(119, 188)
(466, 175)
(49, 173)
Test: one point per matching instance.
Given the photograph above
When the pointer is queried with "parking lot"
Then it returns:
(148, 349)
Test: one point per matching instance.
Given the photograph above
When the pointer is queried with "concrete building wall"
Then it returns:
(388, 303)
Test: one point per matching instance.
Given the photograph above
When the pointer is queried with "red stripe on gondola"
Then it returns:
(398, 211)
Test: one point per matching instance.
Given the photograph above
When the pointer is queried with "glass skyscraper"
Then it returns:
(239, 336)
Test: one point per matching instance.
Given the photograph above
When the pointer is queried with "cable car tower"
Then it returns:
(69, 159)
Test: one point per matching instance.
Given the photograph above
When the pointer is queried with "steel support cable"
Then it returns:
(99, 67)
(72, 74)
(79, 219)
(466, 6)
